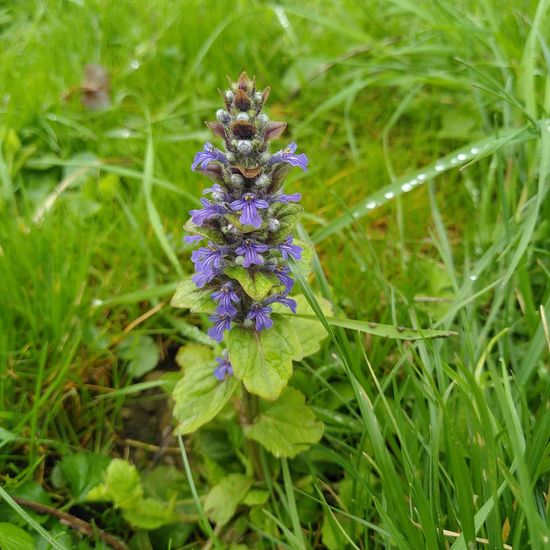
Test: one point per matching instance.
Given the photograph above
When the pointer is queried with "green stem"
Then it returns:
(251, 408)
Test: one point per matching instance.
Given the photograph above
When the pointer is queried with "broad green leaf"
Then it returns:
(165, 482)
(141, 352)
(199, 396)
(193, 353)
(256, 284)
(288, 215)
(13, 537)
(256, 497)
(304, 263)
(286, 427)
(148, 513)
(188, 296)
(310, 332)
(211, 234)
(121, 484)
(79, 473)
(263, 360)
(222, 500)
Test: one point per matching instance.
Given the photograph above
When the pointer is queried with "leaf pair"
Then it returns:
(122, 485)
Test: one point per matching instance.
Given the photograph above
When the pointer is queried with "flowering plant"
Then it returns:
(242, 275)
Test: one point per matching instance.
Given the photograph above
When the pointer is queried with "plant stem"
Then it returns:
(251, 407)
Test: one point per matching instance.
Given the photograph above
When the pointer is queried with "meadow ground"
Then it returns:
(426, 125)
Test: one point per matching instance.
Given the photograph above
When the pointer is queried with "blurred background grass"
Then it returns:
(372, 91)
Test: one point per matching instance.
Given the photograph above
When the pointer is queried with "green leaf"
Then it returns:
(263, 360)
(387, 331)
(188, 296)
(148, 513)
(121, 484)
(304, 264)
(256, 284)
(310, 332)
(222, 500)
(141, 352)
(79, 473)
(256, 497)
(14, 538)
(288, 215)
(199, 396)
(193, 353)
(211, 234)
(286, 427)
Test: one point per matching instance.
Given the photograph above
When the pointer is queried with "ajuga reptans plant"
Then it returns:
(243, 278)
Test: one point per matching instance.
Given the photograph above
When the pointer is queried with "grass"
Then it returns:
(427, 444)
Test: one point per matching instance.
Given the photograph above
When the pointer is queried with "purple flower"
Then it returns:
(225, 297)
(282, 299)
(210, 210)
(261, 315)
(208, 154)
(217, 191)
(282, 272)
(189, 239)
(287, 155)
(250, 251)
(285, 199)
(221, 322)
(249, 206)
(203, 277)
(287, 249)
(207, 260)
(224, 369)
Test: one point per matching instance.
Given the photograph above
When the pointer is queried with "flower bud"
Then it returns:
(244, 147)
(223, 116)
(262, 119)
(263, 181)
(237, 180)
(273, 224)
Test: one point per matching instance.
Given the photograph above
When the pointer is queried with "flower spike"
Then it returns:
(247, 218)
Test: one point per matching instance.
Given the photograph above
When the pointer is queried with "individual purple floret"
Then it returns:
(208, 154)
(226, 297)
(250, 251)
(221, 323)
(248, 205)
(217, 191)
(282, 272)
(260, 314)
(287, 155)
(207, 260)
(282, 299)
(224, 369)
(208, 257)
(208, 212)
(286, 248)
(189, 239)
(285, 199)
(202, 278)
